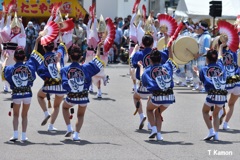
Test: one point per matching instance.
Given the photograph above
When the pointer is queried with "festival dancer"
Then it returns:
(20, 76)
(92, 39)
(142, 91)
(14, 36)
(158, 79)
(228, 45)
(133, 42)
(76, 79)
(106, 32)
(213, 77)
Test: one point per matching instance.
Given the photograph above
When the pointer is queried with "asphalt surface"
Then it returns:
(110, 131)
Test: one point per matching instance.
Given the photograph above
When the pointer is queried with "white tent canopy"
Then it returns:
(199, 9)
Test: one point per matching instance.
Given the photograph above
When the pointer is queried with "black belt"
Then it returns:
(233, 79)
(217, 92)
(90, 49)
(21, 89)
(82, 94)
(10, 46)
(52, 81)
(169, 91)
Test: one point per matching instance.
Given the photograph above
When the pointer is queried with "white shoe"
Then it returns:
(226, 126)
(5, 88)
(105, 81)
(24, 139)
(45, 120)
(76, 138)
(141, 125)
(68, 134)
(99, 95)
(216, 138)
(209, 136)
(159, 137)
(153, 133)
(90, 89)
(52, 129)
(13, 139)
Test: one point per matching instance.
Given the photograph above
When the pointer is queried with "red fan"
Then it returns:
(11, 7)
(50, 33)
(111, 30)
(144, 12)
(227, 28)
(92, 11)
(55, 9)
(135, 6)
(175, 35)
(169, 22)
(66, 25)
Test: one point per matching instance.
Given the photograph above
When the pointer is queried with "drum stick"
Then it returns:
(190, 51)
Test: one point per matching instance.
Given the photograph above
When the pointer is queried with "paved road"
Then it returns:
(110, 129)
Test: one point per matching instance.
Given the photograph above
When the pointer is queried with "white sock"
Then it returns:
(15, 134)
(46, 113)
(225, 123)
(99, 91)
(69, 128)
(134, 86)
(24, 135)
(50, 125)
(154, 129)
(75, 134)
(211, 131)
(141, 116)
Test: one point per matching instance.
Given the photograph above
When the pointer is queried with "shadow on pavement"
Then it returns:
(143, 131)
(220, 142)
(168, 142)
(104, 99)
(232, 131)
(52, 133)
(26, 143)
(7, 99)
(85, 142)
(192, 92)
(166, 132)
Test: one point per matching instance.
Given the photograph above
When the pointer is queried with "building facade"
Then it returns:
(122, 8)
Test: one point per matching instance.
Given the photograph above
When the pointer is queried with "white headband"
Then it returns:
(204, 28)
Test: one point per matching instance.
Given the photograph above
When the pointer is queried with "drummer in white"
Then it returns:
(204, 42)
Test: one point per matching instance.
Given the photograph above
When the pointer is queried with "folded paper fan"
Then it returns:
(109, 40)
(50, 33)
(4, 37)
(175, 35)
(168, 22)
(135, 6)
(66, 25)
(226, 28)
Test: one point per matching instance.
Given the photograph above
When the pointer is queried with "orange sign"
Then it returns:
(42, 8)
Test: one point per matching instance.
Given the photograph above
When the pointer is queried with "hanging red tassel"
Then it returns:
(10, 112)
(71, 112)
(49, 100)
(210, 118)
